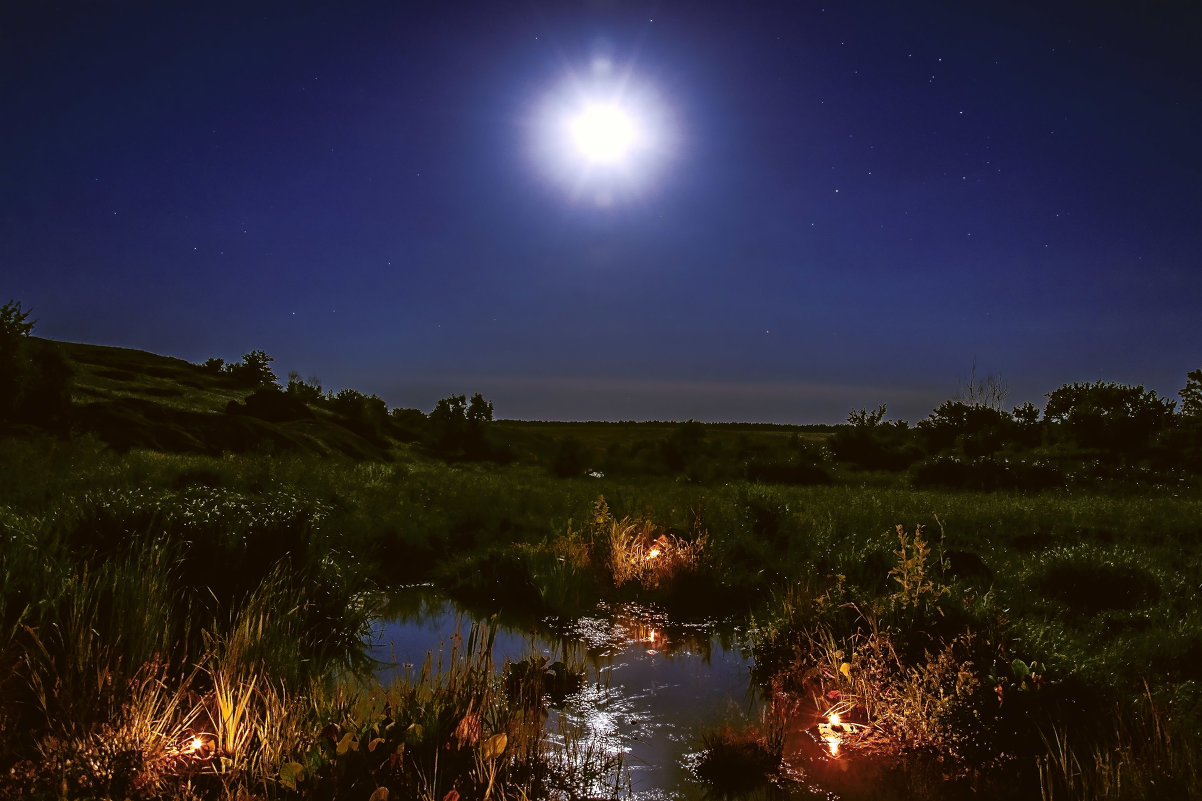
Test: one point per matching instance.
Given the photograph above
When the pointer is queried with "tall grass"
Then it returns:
(1150, 753)
(120, 567)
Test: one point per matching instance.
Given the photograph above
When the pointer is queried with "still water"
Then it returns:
(652, 687)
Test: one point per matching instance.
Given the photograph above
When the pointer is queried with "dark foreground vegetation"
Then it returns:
(192, 554)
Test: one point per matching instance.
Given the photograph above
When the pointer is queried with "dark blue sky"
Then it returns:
(845, 203)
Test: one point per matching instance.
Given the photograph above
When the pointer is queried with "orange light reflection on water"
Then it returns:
(831, 731)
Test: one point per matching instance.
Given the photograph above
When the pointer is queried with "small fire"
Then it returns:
(654, 552)
(197, 744)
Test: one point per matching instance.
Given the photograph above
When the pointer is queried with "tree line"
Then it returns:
(970, 439)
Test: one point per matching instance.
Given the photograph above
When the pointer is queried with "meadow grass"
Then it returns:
(247, 581)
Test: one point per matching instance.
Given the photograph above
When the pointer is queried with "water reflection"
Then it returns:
(652, 686)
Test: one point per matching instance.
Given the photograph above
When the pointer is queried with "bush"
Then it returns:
(275, 405)
(305, 391)
(973, 430)
(35, 379)
(456, 428)
(1119, 419)
(253, 371)
(366, 415)
(869, 443)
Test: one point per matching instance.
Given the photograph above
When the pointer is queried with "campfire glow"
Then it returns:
(836, 732)
(831, 732)
(197, 744)
(657, 547)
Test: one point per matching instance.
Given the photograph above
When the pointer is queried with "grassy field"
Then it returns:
(158, 585)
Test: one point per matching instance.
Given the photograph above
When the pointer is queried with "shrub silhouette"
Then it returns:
(306, 391)
(974, 430)
(1116, 418)
(870, 443)
(1191, 394)
(253, 371)
(456, 427)
(275, 405)
(366, 415)
(35, 379)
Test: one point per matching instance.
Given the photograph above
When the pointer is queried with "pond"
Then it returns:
(653, 686)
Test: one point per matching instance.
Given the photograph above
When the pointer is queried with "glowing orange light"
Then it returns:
(197, 744)
(653, 553)
(832, 732)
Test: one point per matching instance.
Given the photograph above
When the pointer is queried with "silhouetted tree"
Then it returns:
(457, 429)
(35, 379)
(870, 443)
(973, 429)
(990, 391)
(15, 367)
(408, 425)
(1191, 394)
(1027, 431)
(479, 411)
(1116, 418)
(305, 391)
(366, 415)
(254, 370)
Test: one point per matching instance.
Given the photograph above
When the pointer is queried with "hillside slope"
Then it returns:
(135, 399)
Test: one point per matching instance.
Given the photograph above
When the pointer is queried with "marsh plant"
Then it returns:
(637, 551)
(886, 666)
(1148, 755)
(141, 666)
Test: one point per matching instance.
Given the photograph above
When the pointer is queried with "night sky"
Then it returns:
(826, 206)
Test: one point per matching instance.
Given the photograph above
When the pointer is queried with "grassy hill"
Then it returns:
(135, 399)
(131, 398)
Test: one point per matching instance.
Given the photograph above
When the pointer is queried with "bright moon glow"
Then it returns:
(603, 134)
(606, 137)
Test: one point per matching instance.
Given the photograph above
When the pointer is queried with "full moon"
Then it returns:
(603, 134)
(606, 139)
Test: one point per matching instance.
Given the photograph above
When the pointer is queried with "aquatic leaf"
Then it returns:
(371, 745)
(347, 742)
(845, 669)
(1019, 670)
(493, 747)
(291, 773)
(379, 794)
